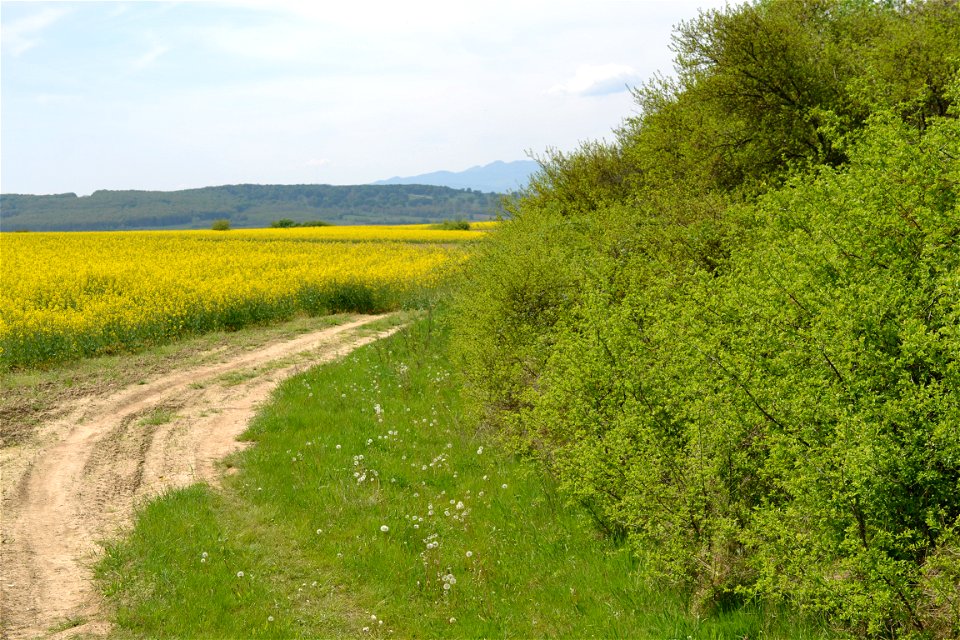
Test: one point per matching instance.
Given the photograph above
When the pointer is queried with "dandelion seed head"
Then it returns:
(384, 528)
(239, 574)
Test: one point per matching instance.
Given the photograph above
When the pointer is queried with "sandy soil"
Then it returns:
(79, 480)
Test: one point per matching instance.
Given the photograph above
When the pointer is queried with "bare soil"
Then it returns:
(78, 479)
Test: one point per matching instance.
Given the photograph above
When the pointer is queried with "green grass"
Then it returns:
(161, 415)
(302, 520)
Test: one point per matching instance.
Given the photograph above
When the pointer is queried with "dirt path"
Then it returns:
(85, 472)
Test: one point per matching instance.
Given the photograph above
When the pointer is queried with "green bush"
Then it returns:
(742, 354)
(220, 225)
(452, 225)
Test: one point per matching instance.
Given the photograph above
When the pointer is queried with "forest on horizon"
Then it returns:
(245, 205)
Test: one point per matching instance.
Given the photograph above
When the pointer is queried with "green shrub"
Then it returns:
(452, 225)
(782, 425)
(732, 334)
(221, 224)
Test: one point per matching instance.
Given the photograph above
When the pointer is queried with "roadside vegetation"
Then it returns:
(375, 504)
(732, 333)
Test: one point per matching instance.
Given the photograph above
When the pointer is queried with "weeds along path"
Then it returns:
(81, 479)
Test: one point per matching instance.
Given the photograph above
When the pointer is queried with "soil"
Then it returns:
(78, 480)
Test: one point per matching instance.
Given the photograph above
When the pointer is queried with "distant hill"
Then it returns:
(245, 205)
(496, 177)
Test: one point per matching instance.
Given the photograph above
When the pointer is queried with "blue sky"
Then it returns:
(173, 95)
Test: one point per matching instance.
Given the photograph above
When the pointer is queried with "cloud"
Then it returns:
(149, 57)
(23, 34)
(599, 80)
(318, 162)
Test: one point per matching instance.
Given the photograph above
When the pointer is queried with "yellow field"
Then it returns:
(66, 295)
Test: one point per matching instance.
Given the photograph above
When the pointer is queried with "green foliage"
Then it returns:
(385, 438)
(287, 223)
(246, 206)
(221, 224)
(453, 225)
(732, 335)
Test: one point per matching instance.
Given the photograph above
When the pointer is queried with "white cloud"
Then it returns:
(599, 80)
(150, 57)
(318, 162)
(23, 34)
(278, 43)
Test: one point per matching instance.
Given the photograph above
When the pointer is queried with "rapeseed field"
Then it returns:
(68, 295)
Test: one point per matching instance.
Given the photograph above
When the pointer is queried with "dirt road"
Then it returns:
(80, 478)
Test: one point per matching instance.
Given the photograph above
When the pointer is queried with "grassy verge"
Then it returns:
(373, 506)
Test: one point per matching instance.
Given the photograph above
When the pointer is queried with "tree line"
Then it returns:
(246, 205)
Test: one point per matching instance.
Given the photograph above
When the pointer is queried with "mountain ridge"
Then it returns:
(495, 177)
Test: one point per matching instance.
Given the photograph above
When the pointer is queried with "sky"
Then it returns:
(176, 95)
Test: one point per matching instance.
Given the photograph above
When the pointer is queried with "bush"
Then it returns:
(732, 335)
(222, 224)
(287, 223)
(453, 225)
(781, 424)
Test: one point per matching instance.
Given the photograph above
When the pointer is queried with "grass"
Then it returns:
(161, 415)
(374, 505)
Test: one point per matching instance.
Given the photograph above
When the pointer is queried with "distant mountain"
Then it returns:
(496, 177)
(245, 205)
